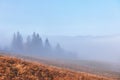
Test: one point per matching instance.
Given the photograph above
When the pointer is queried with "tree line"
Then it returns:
(33, 45)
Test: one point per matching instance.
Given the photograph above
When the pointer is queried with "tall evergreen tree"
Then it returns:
(58, 48)
(47, 45)
(17, 42)
(13, 45)
(39, 41)
(28, 41)
(28, 45)
(36, 43)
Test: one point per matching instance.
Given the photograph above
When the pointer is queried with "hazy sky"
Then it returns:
(60, 17)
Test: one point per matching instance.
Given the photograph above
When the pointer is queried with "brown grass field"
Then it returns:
(12, 68)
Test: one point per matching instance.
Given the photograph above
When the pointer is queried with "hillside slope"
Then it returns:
(12, 68)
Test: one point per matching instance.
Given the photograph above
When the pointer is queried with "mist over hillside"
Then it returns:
(99, 53)
(100, 48)
(96, 48)
(33, 45)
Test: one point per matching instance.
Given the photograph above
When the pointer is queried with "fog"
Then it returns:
(100, 48)
(94, 48)
(73, 18)
(34, 45)
(93, 52)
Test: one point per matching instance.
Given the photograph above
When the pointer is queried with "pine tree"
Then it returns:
(36, 43)
(28, 41)
(17, 43)
(58, 48)
(28, 45)
(39, 41)
(19, 40)
(13, 45)
(47, 45)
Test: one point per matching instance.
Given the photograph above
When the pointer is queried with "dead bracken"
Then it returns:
(16, 69)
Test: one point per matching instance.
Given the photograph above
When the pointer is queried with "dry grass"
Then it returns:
(12, 68)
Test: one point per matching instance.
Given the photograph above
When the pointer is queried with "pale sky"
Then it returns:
(60, 17)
